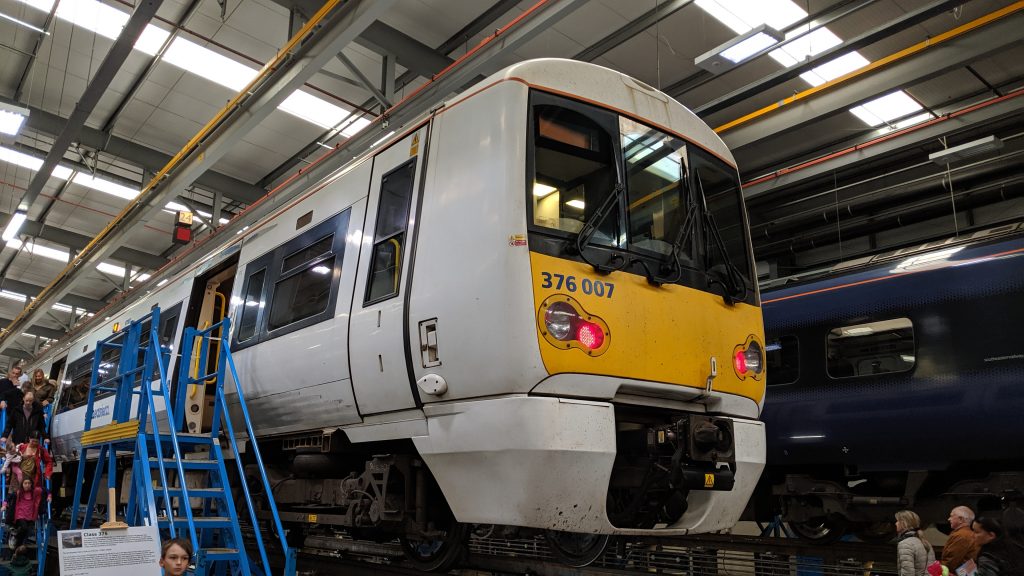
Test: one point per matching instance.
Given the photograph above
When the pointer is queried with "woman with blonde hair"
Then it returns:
(914, 553)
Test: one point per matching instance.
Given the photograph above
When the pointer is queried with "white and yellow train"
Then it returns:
(534, 308)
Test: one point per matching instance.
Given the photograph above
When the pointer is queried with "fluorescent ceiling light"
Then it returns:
(576, 204)
(835, 68)
(81, 178)
(749, 46)
(11, 118)
(542, 190)
(14, 225)
(887, 108)
(37, 249)
(966, 150)
(743, 15)
(189, 56)
(740, 48)
(23, 23)
(7, 294)
(204, 62)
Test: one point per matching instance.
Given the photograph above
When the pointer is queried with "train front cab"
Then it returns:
(637, 341)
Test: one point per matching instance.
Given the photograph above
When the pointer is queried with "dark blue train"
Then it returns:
(897, 383)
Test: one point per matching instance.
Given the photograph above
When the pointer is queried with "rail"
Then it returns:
(226, 362)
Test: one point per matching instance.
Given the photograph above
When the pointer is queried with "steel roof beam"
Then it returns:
(930, 63)
(17, 354)
(77, 241)
(83, 302)
(411, 53)
(631, 29)
(471, 66)
(1004, 107)
(144, 157)
(118, 53)
(338, 28)
(37, 330)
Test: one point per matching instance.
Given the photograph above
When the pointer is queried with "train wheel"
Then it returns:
(876, 532)
(575, 549)
(437, 555)
(821, 529)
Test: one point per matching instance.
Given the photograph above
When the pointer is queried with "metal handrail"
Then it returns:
(186, 502)
(225, 360)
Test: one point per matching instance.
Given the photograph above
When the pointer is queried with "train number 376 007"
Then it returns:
(570, 283)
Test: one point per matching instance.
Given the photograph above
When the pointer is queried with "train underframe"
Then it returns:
(822, 506)
(325, 485)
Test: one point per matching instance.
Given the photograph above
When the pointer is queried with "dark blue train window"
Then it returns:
(881, 347)
(782, 360)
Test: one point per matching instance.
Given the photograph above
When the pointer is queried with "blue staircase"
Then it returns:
(171, 469)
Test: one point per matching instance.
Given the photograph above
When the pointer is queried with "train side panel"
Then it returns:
(299, 379)
(472, 274)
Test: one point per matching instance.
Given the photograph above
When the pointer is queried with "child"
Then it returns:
(26, 510)
(12, 457)
(175, 555)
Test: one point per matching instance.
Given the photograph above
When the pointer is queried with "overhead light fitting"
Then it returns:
(965, 151)
(14, 224)
(23, 23)
(728, 55)
(11, 118)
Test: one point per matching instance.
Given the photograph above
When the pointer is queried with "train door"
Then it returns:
(208, 305)
(377, 343)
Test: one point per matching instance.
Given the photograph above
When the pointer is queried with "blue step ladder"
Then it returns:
(170, 468)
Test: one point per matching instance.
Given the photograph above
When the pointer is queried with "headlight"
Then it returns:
(559, 319)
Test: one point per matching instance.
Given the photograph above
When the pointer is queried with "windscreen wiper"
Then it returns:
(674, 263)
(734, 289)
(590, 227)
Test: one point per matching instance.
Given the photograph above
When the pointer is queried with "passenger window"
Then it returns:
(76, 384)
(782, 360)
(574, 168)
(251, 305)
(875, 348)
(292, 286)
(389, 234)
(303, 294)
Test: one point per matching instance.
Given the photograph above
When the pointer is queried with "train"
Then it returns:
(896, 381)
(535, 307)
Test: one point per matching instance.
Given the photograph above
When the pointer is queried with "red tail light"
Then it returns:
(590, 335)
(748, 359)
(740, 361)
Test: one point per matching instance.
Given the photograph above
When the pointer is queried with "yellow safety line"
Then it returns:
(948, 35)
(111, 433)
(192, 144)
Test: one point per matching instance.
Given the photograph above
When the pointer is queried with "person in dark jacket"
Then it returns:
(10, 391)
(998, 555)
(24, 419)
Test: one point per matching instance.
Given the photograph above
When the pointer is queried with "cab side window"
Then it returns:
(389, 235)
